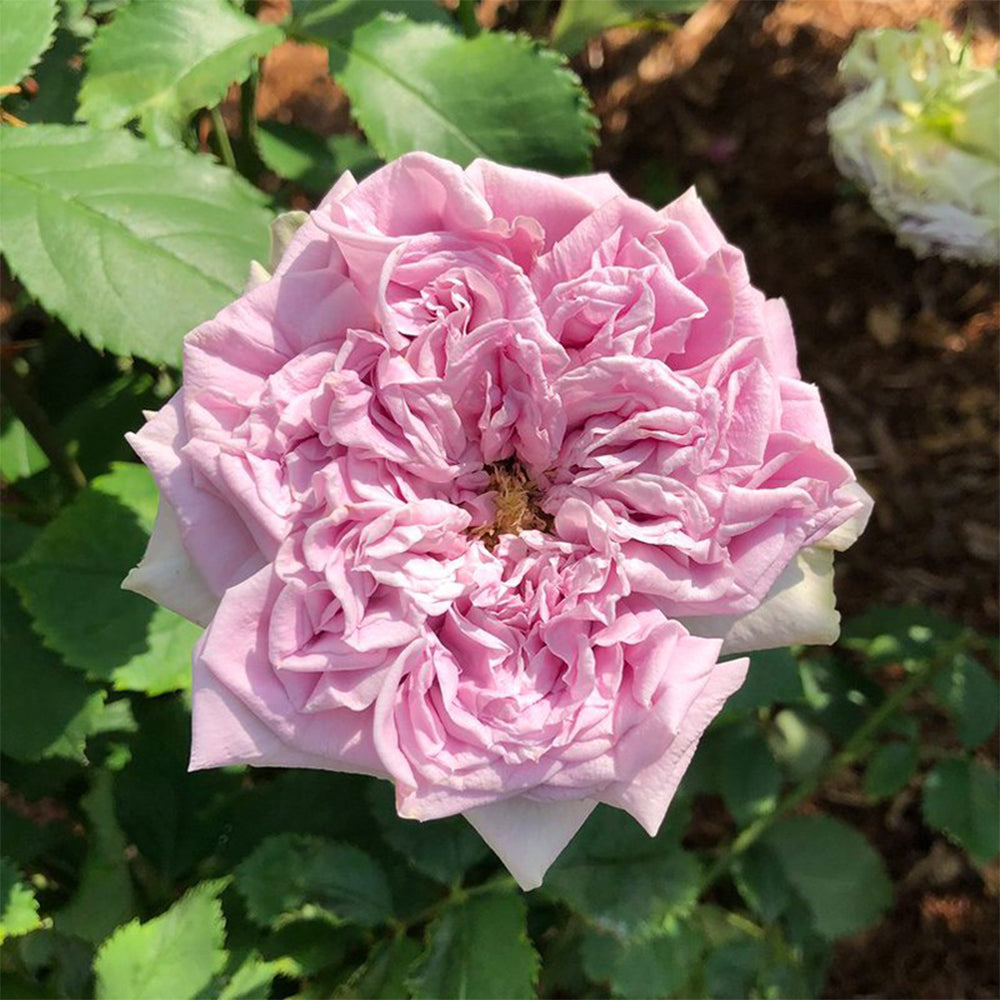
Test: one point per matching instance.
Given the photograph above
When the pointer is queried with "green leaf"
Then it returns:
(903, 634)
(337, 20)
(312, 162)
(621, 879)
(971, 694)
(773, 678)
(834, 869)
(87, 550)
(291, 876)
(444, 849)
(762, 882)
(308, 947)
(252, 980)
(173, 817)
(28, 29)
(890, 768)
(579, 20)
(103, 898)
(735, 762)
(654, 965)
(961, 800)
(409, 86)
(174, 955)
(20, 455)
(95, 428)
(130, 245)
(33, 727)
(478, 948)
(18, 906)
(160, 62)
(732, 969)
(799, 745)
(384, 974)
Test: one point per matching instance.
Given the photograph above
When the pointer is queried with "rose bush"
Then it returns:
(474, 489)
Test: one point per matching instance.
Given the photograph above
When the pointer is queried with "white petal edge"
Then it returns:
(167, 575)
(527, 835)
(800, 608)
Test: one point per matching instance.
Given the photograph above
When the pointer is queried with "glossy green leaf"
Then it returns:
(773, 678)
(174, 818)
(904, 634)
(18, 906)
(104, 897)
(409, 86)
(971, 694)
(580, 20)
(33, 727)
(28, 29)
(160, 62)
(129, 245)
(762, 882)
(478, 948)
(961, 800)
(444, 849)
(291, 876)
(841, 878)
(385, 972)
(20, 455)
(87, 550)
(314, 163)
(652, 965)
(329, 21)
(890, 768)
(620, 878)
(173, 955)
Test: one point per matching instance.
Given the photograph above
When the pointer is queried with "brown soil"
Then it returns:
(904, 353)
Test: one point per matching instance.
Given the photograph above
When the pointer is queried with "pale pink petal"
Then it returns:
(233, 655)
(649, 793)
(528, 836)
(167, 575)
(214, 536)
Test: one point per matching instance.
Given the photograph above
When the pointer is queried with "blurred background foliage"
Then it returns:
(837, 832)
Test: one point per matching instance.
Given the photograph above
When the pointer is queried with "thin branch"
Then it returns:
(222, 138)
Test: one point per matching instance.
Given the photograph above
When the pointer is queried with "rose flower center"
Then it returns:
(517, 503)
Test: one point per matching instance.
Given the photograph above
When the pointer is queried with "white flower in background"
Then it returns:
(920, 129)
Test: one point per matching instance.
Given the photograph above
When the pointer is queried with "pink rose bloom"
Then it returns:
(474, 490)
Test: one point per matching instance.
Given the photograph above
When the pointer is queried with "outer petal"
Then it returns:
(216, 539)
(167, 575)
(847, 534)
(225, 732)
(800, 608)
(556, 204)
(528, 836)
(243, 714)
(649, 793)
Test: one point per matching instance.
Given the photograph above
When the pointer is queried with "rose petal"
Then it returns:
(844, 536)
(528, 836)
(649, 793)
(167, 575)
(799, 609)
